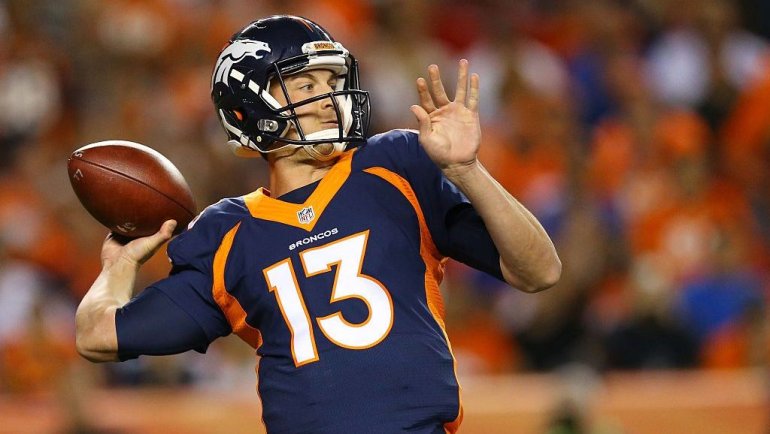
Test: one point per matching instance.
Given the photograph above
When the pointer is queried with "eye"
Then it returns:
(334, 81)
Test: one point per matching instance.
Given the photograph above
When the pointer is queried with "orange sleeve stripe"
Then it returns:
(434, 270)
(232, 309)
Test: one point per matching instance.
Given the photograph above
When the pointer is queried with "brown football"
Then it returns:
(130, 188)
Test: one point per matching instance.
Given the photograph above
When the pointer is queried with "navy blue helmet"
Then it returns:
(270, 49)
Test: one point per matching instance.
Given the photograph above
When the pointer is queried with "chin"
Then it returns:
(322, 152)
(324, 148)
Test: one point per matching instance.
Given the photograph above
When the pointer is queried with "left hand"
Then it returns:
(450, 131)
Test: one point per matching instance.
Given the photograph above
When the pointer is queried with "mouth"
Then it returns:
(329, 124)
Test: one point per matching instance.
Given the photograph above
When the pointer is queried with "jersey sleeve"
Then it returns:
(456, 228)
(152, 324)
(177, 313)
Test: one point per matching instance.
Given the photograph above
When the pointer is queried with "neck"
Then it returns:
(294, 170)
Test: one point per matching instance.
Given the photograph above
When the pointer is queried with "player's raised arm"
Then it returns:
(96, 336)
(450, 133)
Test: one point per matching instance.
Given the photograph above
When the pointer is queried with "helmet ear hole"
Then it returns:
(239, 114)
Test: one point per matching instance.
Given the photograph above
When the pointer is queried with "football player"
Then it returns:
(332, 273)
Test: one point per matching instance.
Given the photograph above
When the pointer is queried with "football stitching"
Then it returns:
(137, 181)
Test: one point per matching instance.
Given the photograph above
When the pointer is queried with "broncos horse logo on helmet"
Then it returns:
(235, 52)
(270, 49)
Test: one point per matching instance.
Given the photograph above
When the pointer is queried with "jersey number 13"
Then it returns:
(348, 254)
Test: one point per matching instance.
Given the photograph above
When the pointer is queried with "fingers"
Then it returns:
(463, 90)
(426, 101)
(435, 96)
(462, 81)
(473, 96)
(437, 86)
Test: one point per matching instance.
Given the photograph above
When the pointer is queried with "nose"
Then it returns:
(327, 102)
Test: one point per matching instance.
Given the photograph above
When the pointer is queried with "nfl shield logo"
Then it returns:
(305, 215)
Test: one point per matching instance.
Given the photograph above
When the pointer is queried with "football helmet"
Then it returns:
(268, 50)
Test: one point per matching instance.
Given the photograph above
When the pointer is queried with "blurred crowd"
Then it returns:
(637, 131)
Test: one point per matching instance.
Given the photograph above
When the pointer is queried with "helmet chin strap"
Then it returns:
(336, 150)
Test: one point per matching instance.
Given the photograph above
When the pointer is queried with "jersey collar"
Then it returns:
(301, 215)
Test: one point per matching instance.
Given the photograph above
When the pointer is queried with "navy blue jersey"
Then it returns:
(336, 285)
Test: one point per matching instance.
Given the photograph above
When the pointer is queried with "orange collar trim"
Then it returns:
(304, 215)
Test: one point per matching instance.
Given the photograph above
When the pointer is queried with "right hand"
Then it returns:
(137, 251)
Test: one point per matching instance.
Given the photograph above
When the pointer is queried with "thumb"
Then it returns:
(149, 245)
(164, 234)
(167, 230)
(423, 118)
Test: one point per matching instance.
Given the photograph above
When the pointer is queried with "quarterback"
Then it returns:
(331, 273)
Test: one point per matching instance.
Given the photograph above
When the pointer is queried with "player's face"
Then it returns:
(318, 115)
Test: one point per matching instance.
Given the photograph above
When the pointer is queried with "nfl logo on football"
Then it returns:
(305, 215)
